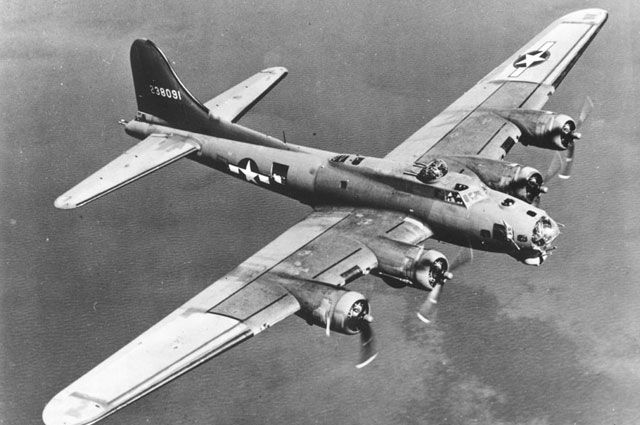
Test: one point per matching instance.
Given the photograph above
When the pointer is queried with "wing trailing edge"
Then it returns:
(149, 155)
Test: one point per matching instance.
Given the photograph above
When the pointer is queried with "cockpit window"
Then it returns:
(474, 196)
(449, 196)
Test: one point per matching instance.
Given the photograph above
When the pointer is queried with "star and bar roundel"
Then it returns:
(532, 58)
(248, 169)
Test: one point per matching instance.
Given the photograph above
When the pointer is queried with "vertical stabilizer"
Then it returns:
(163, 99)
(159, 91)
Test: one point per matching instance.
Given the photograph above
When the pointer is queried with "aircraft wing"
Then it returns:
(325, 248)
(235, 102)
(525, 80)
(147, 156)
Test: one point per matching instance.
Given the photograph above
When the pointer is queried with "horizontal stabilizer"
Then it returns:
(239, 99)
(149, 155)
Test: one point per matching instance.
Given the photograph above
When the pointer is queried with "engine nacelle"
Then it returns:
(408, 263)
(519, 181)
(544, 129)
(320, 304)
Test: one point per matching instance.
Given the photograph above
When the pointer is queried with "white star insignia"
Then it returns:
(531, 59)
(249, 174)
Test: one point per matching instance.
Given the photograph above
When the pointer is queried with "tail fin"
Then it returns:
(160, 93)
(163, 99)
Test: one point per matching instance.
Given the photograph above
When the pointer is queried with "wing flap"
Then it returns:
(238, 100)
(341, 255)
(149, 155)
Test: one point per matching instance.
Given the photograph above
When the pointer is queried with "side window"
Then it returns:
(339, 158)
(499, 232)
(357, 160)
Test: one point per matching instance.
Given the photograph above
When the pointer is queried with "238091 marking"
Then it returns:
(168, 93)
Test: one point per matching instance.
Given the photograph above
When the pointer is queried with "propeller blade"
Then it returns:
(554, 167)
(463, 257)
(568, 161)
(587, 107)
(426, 312)
(327, 319)
(368, 351)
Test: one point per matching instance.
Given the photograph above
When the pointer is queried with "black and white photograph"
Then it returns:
(320, 212)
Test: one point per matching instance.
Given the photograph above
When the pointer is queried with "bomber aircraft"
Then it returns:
(447, 182)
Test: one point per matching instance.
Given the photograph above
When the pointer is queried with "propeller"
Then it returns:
(555, 166)
(362, 322)
(572, 135)
(560, 167)
(368, 351)
(426, 312)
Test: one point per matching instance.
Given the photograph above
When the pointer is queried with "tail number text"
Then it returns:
(168, 93)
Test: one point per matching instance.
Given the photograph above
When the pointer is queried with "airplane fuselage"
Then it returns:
(457, 207)
(447, 181)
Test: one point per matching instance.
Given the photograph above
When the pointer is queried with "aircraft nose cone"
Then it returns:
(545, 231)
(552, 232)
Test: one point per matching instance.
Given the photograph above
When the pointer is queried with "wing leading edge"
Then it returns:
(149, 155)
(525, 80)
(236, 307)
(239, 99)
(230, 311)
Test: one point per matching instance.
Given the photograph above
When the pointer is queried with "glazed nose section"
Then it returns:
(554, 231)
(545, 231)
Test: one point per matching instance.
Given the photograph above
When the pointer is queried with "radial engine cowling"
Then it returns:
(544, 129)
(519, 181)
(410, 264)
(344, 311)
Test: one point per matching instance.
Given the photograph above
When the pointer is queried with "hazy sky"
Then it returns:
(559, 344)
